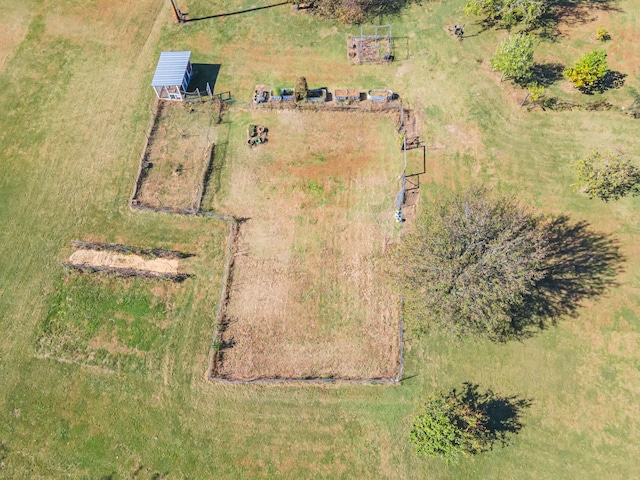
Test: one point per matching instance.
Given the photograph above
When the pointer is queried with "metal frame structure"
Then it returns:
(374, 45)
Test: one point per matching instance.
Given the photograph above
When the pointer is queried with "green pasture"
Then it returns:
(72, 126)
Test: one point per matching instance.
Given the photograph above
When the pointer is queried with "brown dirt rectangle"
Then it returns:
(309, 297)
(177, 156)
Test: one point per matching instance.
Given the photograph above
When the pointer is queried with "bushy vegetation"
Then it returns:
(514, 57)
(607, 175)
(301, 89)
(588, 71)
(471, 262)
(447, 427)
(603, 35)
(357, 11)
(508, 13)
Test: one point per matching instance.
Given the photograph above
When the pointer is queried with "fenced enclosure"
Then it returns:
(374, 45)
(176, 159)
(290, 280)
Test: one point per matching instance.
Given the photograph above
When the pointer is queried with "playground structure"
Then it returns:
(374, 45)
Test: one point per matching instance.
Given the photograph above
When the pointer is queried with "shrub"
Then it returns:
(602, 35)
(448, 428)
(607, 175)
(357, 11)
(588, 71)
(301, 89)
(514, 57)
(537, 93)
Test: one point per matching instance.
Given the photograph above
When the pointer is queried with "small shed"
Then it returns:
(172, 76)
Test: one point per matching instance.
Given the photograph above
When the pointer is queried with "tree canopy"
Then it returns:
(471, 262)
(514, 57)
(607, 175)
(508, 13)
(357, 11)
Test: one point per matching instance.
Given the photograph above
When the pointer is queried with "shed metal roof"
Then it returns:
(170, 69)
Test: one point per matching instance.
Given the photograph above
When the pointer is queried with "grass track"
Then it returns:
(70, 137)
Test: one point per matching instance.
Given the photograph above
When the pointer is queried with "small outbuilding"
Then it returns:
(172, 76)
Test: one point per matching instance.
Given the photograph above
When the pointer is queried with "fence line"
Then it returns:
(315, 380)
(234, 229)
(224, 296)
(128, 272)
(362, 106)
(116, 247)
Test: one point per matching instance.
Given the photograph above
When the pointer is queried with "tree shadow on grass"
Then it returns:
(546, 74)
(503, 415)
(571, 13)
(385, 7)
(612, 80)
(580, 264)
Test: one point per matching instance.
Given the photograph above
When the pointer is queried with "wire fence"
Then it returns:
(230, 250)
(116, 247)
(127, 272)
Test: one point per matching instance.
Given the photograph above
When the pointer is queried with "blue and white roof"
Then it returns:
(170, 69)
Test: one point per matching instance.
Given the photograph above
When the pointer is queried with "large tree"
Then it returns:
(514, 57)
(607, 175)
(471, 263)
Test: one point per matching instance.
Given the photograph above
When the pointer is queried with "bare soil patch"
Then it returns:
(309, 297)
(110, 259)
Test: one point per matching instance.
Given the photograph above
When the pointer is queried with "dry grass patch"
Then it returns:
(309, 297)
(14, 23)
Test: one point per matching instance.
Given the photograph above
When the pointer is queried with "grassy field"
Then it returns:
(71, 132)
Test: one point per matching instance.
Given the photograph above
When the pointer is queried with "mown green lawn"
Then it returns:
(72, 125)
